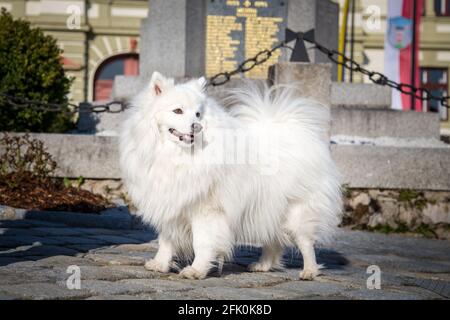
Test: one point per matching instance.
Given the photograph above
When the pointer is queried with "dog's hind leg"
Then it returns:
(211, 238)
(163, 258)
(302, 227)
(310, 267)
(270, 258)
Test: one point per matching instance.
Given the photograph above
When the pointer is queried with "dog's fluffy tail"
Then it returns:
(256, 102)
(302, 126)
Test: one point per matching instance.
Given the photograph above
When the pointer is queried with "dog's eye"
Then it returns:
(178, 111)
(197, 114)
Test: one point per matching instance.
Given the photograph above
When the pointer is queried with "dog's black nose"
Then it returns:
(196, 127)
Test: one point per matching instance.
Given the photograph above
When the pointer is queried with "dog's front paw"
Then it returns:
(309, 274)
(258, 267)
(154, 265)
(191, 273)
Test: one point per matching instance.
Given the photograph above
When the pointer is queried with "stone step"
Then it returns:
(384, 123)
(360, 95)
(390, 167)
(345, 121)
(363, 166)
(350, 95)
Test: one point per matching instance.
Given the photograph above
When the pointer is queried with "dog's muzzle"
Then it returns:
(196, 128)
(187, 138)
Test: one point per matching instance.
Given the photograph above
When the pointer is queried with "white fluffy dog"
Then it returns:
(208, 178)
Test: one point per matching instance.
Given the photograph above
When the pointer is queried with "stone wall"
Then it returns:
(406, 211)
(362, 166)
(425, 213)
(112, 189)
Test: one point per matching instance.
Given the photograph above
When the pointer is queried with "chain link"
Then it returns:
(337, 58)
(223, 77)
(247, 65)
(379, 78)
(69, 109)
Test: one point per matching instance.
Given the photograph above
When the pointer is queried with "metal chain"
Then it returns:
(223, 77)
(66, 108)
(247, 65)
(350, 64)
(380, 79)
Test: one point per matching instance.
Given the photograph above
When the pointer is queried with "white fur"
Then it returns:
(204, 208)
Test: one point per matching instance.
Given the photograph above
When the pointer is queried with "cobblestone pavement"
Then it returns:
(35, 256)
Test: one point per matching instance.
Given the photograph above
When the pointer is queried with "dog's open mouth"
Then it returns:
(187, 138)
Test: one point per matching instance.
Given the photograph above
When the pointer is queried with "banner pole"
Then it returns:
(343, 39)
(413, 54)
(352, 37)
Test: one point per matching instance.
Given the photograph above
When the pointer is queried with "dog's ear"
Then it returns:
(159, 83)
(201, 82)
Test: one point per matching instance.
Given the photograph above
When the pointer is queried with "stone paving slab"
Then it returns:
(37, 250)
(29, 223)
(59, 231)
(80, 239)
(117, 217)
(111, 266)
(114, 239)
(18, 240)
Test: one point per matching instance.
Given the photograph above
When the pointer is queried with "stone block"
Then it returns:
(125, 87)
(360, 95)
(384, 123)
(89, 156)
(163, 39)
(42, 291)
(323, 17)
(394, 167)
(312, 80)
(419, 167)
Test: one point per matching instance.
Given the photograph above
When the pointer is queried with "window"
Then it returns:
(442, 7)
(436, 81)
(125, 64)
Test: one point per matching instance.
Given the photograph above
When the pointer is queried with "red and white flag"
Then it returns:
(398, 48)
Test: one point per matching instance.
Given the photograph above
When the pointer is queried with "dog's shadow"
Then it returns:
(41, 234)
(292, 259)
(15, 233)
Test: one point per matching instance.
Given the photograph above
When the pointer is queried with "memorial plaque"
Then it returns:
(238, 29)
(192, 38)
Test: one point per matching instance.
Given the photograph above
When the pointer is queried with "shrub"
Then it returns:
(24, 160)
(27, 179)
(30, 68)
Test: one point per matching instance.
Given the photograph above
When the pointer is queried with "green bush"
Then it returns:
(30, 68)
(24, 160)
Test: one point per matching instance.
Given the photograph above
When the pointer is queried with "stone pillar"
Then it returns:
(313, 80)
(173, 38)
(163, 38)
(86, 119)
(195, 38)
(323, 17)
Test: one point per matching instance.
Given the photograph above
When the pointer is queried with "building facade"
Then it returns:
(434, 55)
(100, 39)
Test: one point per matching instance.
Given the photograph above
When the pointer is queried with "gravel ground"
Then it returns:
(35, 260)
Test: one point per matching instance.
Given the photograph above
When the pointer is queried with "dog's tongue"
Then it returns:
(188, 138)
